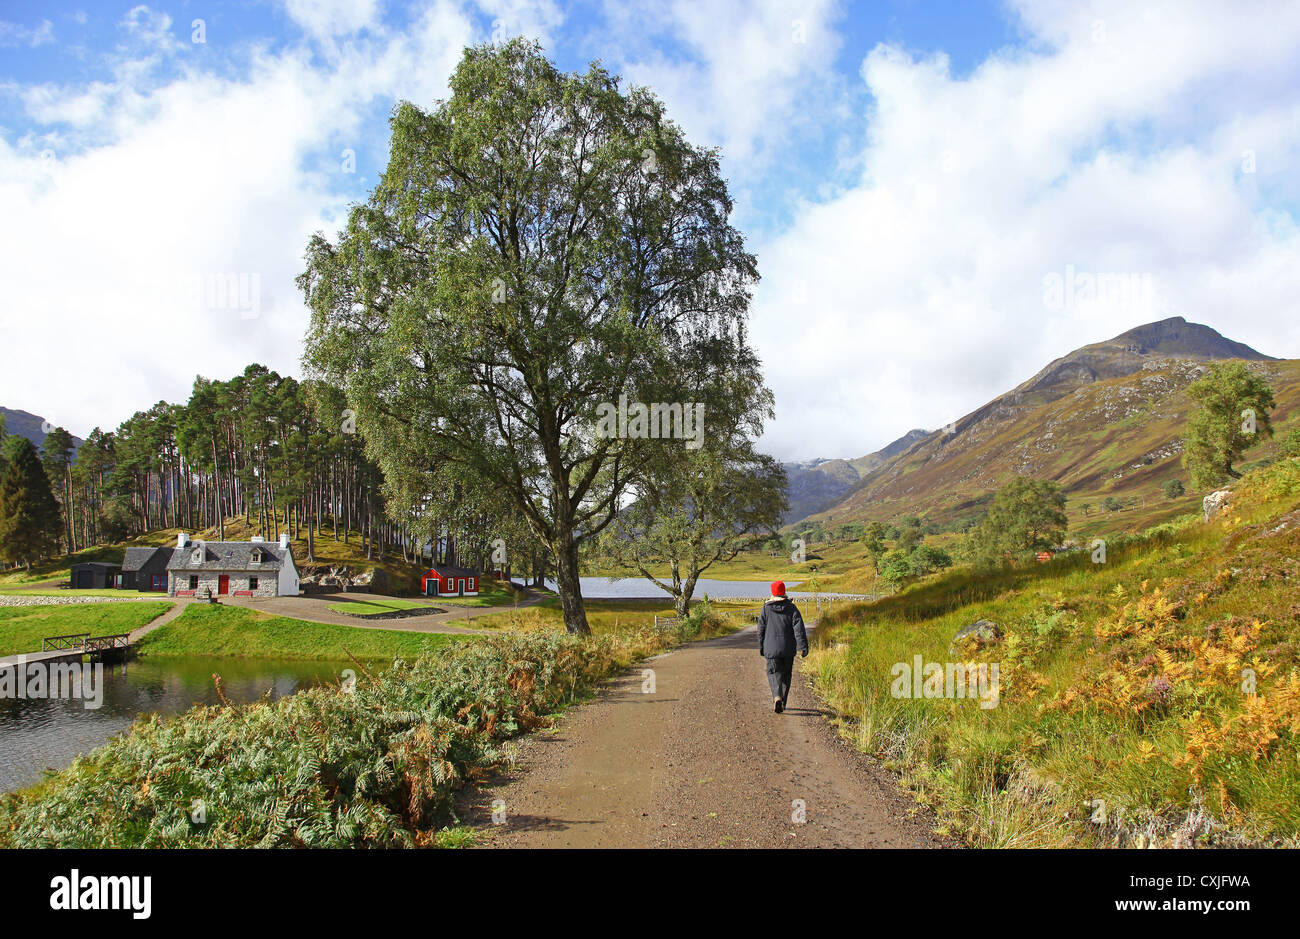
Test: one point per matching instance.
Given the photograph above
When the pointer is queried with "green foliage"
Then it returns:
(376, 767)
(1026, 515)
(1174, 489)
(29, 515)
(698, 508)
(895, 568)
(1120, 682)
(1232, 415)
(541, 244)
(1290, 443)
(925, 559)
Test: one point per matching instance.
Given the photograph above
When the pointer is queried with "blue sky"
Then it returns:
(909, 174)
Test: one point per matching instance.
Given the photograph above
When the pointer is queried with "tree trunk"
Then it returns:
(570, 588)
(685, 591)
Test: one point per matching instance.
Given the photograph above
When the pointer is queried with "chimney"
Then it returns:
(182, 540)
(284, 541)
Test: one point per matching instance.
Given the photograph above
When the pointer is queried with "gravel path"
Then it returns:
(43, 600)
(701, 762)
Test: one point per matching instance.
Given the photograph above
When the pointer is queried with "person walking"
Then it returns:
(780, 633)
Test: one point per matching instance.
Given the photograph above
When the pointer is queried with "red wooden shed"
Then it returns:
(444, 581)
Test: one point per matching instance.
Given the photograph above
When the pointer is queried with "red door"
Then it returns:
(223, 583)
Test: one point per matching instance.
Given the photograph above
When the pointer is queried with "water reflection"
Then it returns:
(44, 733)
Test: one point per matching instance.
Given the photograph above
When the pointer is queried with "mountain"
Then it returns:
(1104, 420)
(31, 426)
(815, 484)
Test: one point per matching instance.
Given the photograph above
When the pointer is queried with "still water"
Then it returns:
(630, 588)
(36, 734)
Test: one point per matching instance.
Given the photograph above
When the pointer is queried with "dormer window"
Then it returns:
(196, 556)
(257, 556)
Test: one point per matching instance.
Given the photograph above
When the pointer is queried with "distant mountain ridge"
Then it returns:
(31, 426)
(1104, 417)
(815, 484)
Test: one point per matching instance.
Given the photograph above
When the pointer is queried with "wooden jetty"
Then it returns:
(71, 648)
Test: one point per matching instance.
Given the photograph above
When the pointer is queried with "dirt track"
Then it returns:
(700, 762)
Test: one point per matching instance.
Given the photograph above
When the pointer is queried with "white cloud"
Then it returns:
(165, 184)
(747, 76)
(535, 19)
(905, 299)
(15, 34)
(923, 286)
(329, 18)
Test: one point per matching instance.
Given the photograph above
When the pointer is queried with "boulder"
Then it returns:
(981, 633)
(1215, 502)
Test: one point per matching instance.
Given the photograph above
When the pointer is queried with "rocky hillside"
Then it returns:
(1104, 421)
(816, 484)
(31, 426)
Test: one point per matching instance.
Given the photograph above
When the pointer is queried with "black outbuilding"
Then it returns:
(145, 569)
(94, 574)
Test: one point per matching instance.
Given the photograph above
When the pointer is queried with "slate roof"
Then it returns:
(98, 565)
(136, 559)
(446, 571)
(227, 556)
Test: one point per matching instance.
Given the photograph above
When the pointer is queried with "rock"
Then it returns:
(981, 632)
(1215, 502)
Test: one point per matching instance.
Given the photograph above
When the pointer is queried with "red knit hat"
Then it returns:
(778, 588)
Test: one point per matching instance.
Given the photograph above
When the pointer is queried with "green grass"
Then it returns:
(490, 594)
(617, 617)
(377, 605)
(223, 631)
(1120, 682)
(376, 764)
(23, 627)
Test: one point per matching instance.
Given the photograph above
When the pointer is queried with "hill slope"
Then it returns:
(31, 426)
(1104, 420)
(815, 484)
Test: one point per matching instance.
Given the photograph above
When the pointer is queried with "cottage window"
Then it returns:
(252, 583)
(194, 581)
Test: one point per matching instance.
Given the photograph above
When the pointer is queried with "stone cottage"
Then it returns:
(254, 568)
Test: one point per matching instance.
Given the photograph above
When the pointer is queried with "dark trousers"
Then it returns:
(779, 670)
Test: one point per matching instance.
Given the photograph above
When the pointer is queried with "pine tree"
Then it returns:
(29, 514)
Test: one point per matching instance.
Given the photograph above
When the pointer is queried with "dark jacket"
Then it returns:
(780, 630)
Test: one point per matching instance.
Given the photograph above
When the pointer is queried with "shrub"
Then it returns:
(372, 767)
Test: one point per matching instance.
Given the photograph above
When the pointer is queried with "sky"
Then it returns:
(916, 179)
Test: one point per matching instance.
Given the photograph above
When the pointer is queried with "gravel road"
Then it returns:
(700, 762)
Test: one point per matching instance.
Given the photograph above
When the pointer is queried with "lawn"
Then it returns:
(23, 627)
(226, 632)
(376, 605)
(490, 594)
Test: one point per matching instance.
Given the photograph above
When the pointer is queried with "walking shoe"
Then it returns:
(777, 705)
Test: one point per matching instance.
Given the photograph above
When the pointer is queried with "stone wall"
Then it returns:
(267, 582)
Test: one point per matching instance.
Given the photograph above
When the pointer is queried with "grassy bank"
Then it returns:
(492, 593)
(23, 627)
(376, 606)
(374, 766)
(1153, 698)
(231, 631)
(611, 617)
